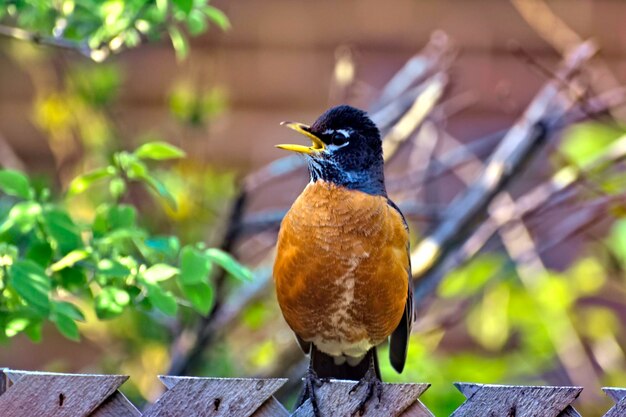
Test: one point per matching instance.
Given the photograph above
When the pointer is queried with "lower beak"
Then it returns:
(316, 143)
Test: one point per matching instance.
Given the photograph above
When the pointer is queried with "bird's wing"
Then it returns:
(399, 340)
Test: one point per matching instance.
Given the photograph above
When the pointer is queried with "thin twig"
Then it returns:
(56, 42)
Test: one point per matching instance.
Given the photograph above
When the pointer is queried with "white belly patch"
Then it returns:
(334, 342)
(342, 351)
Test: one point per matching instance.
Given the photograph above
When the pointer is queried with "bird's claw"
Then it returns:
(373, 386)
(311, 383)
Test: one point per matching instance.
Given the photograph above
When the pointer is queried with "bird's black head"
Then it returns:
(346, 149)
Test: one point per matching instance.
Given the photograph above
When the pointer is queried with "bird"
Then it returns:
(342, 268)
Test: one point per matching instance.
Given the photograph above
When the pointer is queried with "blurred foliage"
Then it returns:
(47, 258)
(490, 325)
(193, 107)
(99, 28)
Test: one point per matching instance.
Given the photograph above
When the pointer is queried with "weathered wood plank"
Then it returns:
(271, 408)
(40, 394)
(117, 405)
(44, 394)
(518, 401)
(4, 381)
(335, 400)
(619, 396)
(189, 396)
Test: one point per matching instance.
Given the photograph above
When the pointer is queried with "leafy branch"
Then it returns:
(51, 263)
(99, 29)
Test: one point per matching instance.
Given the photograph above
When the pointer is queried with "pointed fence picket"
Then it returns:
(46, 394)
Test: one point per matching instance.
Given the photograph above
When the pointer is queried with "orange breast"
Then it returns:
(341, 265)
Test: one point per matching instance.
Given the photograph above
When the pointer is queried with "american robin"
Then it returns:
(342, 266)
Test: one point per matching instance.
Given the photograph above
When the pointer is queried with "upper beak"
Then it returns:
(316, 146)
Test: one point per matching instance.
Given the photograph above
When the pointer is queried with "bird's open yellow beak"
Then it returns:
(316, 143)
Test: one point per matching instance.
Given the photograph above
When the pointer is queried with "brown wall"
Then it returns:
(277, 64)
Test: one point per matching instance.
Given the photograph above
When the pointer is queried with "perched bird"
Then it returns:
(342, 266)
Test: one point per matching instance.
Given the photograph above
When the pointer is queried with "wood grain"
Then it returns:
(335, 400)
(619, 396)
(271, 408)
(45, 394)
(117, 405)
(42, 394)
(516, 401)
(189, 397)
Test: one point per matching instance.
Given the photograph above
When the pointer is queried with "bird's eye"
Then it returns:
(339, 139)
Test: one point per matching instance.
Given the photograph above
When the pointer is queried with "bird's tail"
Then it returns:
(325, 367)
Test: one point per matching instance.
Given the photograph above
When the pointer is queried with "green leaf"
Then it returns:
(68, 309)
(16, 325)
(32, 284)
(70, 259)
(217, 16)
(64, 315)
(161, 190)
(40, 252)
(15, 183)
(110, 302)
(163, 300)
(122, 216)
(100, 223)
(33, 331)
(23, 216)
(159, 151)
(112, 268)
(72, 278)
(63, 230)
(162, 6)
(117, 188)
(179, 42)
(200, 295)
(229, 263)
(160, 272)
(194, 266)
(66, 326)
(84, 181)
(184, 5)
(196, 23)
(136, 169)
(166, 247)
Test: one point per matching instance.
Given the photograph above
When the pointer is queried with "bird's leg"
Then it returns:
(373, 384)
(311, 383)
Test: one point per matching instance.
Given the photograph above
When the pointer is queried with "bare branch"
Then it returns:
(521, 142)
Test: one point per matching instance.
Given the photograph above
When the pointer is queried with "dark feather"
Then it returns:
(325, 367)
(304, 345)
(399, 341)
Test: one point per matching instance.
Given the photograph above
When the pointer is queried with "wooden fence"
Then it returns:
(44, 394)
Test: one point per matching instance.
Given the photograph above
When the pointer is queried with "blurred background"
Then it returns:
(540, 300)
